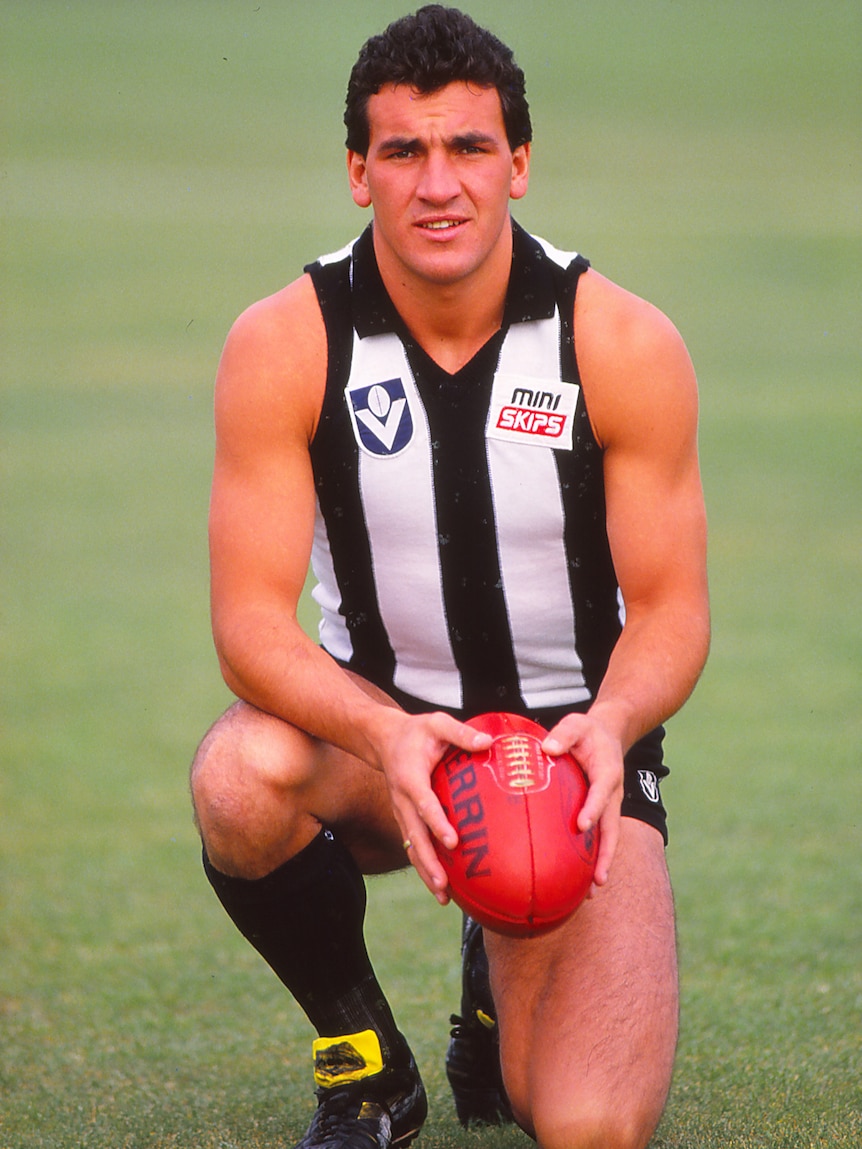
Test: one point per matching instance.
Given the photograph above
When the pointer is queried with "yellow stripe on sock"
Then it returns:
(350, 1057)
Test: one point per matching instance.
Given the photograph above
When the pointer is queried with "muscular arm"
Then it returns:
(269, 392)
(641, 393)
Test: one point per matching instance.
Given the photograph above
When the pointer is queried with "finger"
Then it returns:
(609, 836)
(598, 797)
(423, 857)
(433, 815)
(460, 734)
(420, 817)
(407, 803)
(565, 736)
(435, 880)
(598, 757)
(446, 731)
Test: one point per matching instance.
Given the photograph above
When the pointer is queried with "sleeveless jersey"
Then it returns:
(460, 544)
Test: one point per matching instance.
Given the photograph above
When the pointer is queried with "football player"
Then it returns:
(380, 417)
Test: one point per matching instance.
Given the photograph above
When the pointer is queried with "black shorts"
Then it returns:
(644, 764)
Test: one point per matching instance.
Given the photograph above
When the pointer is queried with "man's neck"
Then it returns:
(451, 321)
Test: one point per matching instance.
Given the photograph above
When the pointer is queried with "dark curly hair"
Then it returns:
(428, 50)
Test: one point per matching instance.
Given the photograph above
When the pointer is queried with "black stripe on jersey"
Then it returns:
(591, 570)
(335, 456)
(457, 406)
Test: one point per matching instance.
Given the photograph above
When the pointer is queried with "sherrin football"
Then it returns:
(521, 866)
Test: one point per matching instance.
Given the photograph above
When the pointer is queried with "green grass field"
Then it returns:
(162, 166)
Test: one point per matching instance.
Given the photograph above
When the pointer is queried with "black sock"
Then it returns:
(305, 919)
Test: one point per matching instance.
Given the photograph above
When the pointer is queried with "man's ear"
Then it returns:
(520, 171)
(358, 176)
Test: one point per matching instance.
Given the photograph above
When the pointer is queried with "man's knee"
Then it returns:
(584, 1110)
(593, 1124)
(243, 779)
(247, 746)
(221, 761)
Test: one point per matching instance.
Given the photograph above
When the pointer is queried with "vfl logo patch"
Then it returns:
(381, 417)
(649, 785)
(536, 411)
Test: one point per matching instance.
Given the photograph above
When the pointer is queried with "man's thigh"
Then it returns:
(588, 1014)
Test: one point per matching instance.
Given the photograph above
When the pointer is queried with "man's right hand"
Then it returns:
(411, 748)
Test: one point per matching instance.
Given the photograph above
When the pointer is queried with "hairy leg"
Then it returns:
(588, 1014)
(262, 789)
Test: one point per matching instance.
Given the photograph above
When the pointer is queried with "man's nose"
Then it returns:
(439, 182)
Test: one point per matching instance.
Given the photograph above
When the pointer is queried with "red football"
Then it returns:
(521, 865)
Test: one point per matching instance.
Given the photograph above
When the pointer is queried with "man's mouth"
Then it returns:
(440, 224)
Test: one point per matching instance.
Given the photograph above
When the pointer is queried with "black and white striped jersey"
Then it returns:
(460, 544)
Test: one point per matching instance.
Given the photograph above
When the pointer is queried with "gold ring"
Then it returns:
(407, 844)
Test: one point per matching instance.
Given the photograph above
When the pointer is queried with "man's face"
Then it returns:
(439, 174)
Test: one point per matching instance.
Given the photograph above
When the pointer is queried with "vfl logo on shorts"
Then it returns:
(540, 412)
(649, 785)
(381, 417)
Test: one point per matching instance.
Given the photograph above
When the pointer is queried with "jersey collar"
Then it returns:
(530, 294)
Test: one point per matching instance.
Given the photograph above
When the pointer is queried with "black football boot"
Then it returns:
(362, 1104)
(473, 1056)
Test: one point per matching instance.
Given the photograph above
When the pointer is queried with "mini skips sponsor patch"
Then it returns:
(540, 412)
(381, 417)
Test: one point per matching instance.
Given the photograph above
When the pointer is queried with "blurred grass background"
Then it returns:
(163, 165)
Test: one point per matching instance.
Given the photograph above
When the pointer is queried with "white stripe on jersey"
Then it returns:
(529, 516)
(398, 497)
(563, 258)
(337, 256)
(334, 635)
